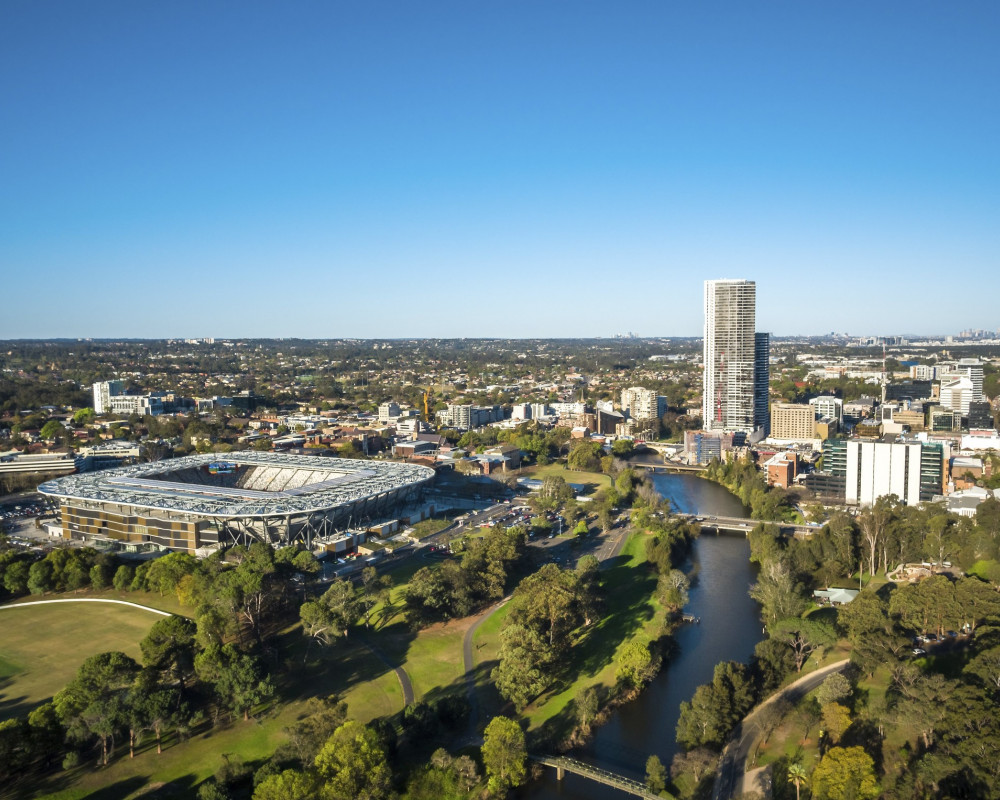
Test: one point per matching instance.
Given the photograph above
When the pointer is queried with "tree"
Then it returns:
(796, 774)
(834, 689)
(15, 577)
(169, 647)
(656, 774)
(504, 754)
(836, 721)
(40, 577)
(777, 592)
(323, 715)
(354, 765)
(587, 706)
(123, 578)
(238, 680)
(845, 773)
(804, 637)
(636, 665)
(672, 590)
(375, 589)
(525, 663)
(93, 704)
(53, 429)
(288, 784)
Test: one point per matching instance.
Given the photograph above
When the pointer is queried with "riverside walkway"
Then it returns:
(563, 765)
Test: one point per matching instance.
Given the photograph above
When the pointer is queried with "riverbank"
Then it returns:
(729, 630)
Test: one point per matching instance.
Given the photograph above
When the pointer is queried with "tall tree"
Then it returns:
(169, 647)
(93, 704)
(504, 754)
(353, 764)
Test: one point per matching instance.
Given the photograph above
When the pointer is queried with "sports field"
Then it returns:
(42, 646)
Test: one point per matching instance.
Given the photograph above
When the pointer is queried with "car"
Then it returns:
(919, 651)
(951, 634)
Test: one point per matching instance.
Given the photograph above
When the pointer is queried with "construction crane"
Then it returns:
(427, 410)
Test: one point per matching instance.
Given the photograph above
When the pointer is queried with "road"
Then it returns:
(729, 776)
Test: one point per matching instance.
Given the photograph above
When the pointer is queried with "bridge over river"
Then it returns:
(563, 765)
(745, 525)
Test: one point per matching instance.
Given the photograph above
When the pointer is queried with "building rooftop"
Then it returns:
(240, 484)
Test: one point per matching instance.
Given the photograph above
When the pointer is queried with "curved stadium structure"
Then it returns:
(207, 501)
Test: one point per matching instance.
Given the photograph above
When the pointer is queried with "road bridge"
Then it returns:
(745, 525)
(563, 764)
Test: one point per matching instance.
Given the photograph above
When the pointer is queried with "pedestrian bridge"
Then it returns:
(564, 764)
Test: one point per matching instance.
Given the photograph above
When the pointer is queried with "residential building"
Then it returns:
(702, 446)
(923, 372)
(142, 404)
(388, 411)
(828, 406)
(762, 382)
(793, 421)
(730, 356)
(641, 403)
(103, 392)
(780, 470)
(467, 417)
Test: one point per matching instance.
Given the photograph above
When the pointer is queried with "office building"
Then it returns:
(793, 421)
(923, 372)
(957, 394)
(388, 411)
(914, 472)
(103, 392)
(972, 368)
(145, 405)
(980, 415)
(733, 357)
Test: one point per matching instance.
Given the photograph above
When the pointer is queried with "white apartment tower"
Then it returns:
(731, 356)
(103, 392)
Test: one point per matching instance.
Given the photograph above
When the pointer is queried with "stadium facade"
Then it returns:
(202, 502)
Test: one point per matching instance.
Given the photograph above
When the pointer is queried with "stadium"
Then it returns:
(200, 503)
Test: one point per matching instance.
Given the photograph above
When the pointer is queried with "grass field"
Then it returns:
(591, 480)
(42, 646)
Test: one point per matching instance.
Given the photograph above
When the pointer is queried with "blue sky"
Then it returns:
(385, 169)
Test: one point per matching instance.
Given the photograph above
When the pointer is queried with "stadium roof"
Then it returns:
(336, 482)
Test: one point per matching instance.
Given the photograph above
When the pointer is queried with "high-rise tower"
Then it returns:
(736, 359)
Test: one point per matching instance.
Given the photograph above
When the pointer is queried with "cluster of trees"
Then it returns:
(331, 757)
(237, 595)
(535, 641)
(486, 572)
(743, 479)
(114, 699)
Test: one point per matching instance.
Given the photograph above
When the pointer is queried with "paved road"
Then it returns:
(401, 676)
(729, 776)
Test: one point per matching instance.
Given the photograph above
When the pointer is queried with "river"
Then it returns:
(729, 629)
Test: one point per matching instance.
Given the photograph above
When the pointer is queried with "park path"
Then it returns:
(88, 600)
(470, 664)
(732, 765)
(401, 676)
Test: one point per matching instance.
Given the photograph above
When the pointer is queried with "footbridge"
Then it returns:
(563, 765)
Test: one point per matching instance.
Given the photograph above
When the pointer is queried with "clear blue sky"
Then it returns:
(488, 168)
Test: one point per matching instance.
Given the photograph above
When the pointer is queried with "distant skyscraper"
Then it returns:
(736, 359)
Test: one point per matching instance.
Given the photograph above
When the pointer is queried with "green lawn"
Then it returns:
(42, 646)
(591, 480)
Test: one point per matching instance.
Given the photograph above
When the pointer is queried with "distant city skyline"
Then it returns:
(522, 169)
